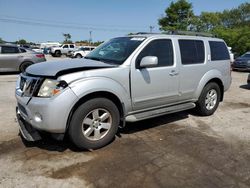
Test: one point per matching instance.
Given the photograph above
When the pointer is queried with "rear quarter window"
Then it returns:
(192, 51)
(219, 51)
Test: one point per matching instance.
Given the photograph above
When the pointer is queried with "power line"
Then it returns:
(5, 18)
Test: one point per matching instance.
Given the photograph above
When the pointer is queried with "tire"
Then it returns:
(58, 53)
(85, 135)
(209, 99)
(78, 56)
(24, 66)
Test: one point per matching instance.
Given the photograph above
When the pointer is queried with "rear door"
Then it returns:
(65, 48)
(155, 86)
(192, 66)
(10, 58)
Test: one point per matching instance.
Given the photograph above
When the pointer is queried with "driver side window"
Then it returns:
(162, 49)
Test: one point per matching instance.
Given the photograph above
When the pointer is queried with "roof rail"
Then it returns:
(192, 33)
(143, 33)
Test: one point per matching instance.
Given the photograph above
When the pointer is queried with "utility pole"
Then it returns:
(151, 28)
(90, 37)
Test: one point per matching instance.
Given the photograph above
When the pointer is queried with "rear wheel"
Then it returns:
(78, 56)
(94, 124)
(24, 66)
(209, 99)
(58, 53)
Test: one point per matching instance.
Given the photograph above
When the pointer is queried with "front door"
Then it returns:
(155, 86)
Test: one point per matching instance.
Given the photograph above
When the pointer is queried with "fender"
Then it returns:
(212, 74)
(87, 86)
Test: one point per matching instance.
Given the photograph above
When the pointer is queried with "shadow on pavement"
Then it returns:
(131, 128)
(246, 86)
(9, 73)
(50, 144)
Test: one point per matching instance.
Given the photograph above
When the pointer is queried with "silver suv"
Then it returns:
(126, 79)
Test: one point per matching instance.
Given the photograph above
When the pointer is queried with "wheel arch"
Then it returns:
(211, 76)
(25, 61)
(99, 94)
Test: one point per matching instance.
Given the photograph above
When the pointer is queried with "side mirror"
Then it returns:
(149, 61)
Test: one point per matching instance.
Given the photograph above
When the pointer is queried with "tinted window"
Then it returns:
(71, 46)
(9, 50)
(65, 46)
(22, 50)
(192, 51)
(162, 49)
(219, 51)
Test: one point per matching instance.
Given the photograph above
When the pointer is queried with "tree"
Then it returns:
(67, 38)
(178, 16)
(21, 41)
(1, 40)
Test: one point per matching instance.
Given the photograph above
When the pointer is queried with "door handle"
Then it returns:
(20, 56)
(173, 73)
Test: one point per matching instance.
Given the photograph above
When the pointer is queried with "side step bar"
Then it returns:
(158, 112)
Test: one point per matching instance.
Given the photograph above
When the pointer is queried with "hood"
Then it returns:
(58, 68)
(242, 59)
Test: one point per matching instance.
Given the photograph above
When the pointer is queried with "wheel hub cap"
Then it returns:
(211, 99)
(96, 124)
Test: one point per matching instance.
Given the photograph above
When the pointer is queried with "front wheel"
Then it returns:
(94, 124)
(209, 99)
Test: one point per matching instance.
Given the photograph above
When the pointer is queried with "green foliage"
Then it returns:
(237, 38)
(21, 41)
(1, 40)
(231, 25)
(67, 38)
(177, 16)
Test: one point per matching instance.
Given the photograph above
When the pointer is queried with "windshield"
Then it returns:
(246, 55)
(116, 50)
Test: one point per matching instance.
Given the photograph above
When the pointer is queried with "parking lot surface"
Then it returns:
(177, 150)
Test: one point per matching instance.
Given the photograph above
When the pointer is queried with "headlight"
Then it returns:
(248, 62)
(51, 87)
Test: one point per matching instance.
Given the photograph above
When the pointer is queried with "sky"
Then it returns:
(47, 20)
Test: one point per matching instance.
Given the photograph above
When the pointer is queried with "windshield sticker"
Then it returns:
(137, 39)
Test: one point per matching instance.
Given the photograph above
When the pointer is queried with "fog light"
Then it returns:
(38, 117)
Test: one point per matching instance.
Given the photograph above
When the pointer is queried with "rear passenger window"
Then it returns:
(9, 50)
(219, 51)
(192, 51)
(162, 49)
(71, 46)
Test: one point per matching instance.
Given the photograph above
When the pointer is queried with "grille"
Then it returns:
(28, 85)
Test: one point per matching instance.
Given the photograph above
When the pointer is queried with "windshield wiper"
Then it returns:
(93, 58)
(102, 60)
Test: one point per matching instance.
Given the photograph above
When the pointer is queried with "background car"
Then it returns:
(14, 58)
(36, 49)
(82, 51)
(242, 62)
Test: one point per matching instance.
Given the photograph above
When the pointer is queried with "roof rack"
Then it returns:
(144, 33)
(191, 33)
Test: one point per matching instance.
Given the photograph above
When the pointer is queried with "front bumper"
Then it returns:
(27, 131)
(47, 114)
(241, 67)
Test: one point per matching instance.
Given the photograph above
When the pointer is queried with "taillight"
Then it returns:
(40, 55)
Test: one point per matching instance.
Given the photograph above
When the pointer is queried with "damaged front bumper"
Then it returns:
(27, 131)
